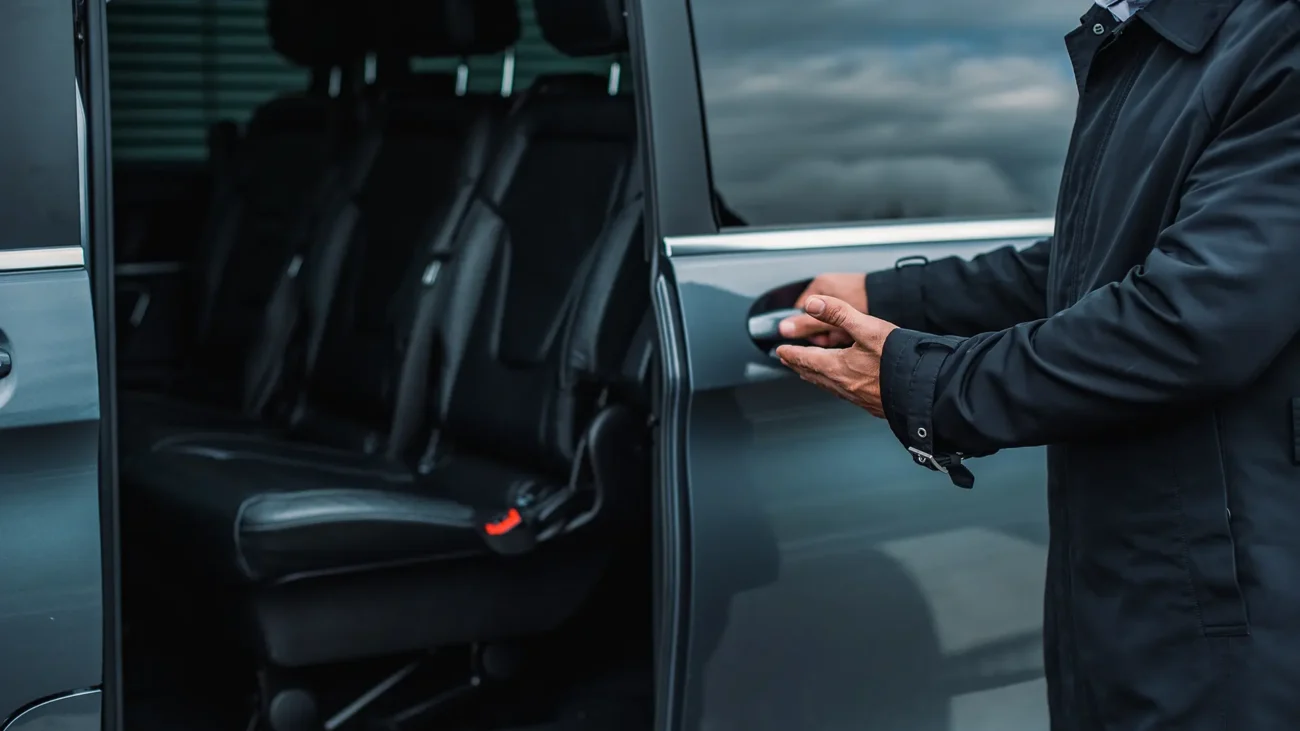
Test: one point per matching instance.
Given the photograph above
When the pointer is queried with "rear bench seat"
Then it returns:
(354, 355)
(332, 319)
(269, 183)
(533, 441)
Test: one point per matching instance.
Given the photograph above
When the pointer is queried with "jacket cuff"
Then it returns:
(909, 371)
(898, 295)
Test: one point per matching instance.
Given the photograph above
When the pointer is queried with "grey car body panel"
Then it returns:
(51, 619)
(51, 605)
(833, 583)
(811, 576)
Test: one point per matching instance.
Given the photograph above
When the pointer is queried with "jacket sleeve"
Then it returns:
(954, 296)
(1213, 304)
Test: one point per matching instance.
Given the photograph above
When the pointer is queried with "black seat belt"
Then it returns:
(207, 265)
(413, 373)
(294, 324)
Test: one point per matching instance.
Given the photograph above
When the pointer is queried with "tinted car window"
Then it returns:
(39, 166)
(825, 111)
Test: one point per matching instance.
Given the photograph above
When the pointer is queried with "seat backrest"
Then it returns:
(432, 141)
(552, 227)
(269, 188)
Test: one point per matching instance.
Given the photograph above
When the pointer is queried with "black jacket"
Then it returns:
(1153, 344)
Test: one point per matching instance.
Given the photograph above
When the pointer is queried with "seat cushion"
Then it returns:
(330, 561)
(275, 511)
(253, 520)
(274, 448)
(145, 419)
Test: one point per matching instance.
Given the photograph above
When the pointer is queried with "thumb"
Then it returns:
(801, 326)
(838, 313)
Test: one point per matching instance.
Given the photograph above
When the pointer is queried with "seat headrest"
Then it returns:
(318, 32)
(583, 27)
(433, 28)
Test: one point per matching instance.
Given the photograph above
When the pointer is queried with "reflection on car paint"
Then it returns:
(835, 586)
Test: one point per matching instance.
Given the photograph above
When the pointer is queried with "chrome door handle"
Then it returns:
(766, 327)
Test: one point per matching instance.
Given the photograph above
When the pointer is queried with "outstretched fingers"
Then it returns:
(806, 359)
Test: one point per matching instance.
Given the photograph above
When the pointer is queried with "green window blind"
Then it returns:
(179, 66)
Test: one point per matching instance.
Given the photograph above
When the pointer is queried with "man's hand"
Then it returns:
(850, 288)
(851, 373)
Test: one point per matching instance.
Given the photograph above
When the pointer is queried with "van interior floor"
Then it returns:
(595, 673)
(612, 703)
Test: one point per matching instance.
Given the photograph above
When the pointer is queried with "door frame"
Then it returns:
(670, 123)
(99, 196)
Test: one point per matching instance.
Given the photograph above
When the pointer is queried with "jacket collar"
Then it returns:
(1188, 24)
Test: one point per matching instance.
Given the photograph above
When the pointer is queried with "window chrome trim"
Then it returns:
(883, 234)
(53, 257)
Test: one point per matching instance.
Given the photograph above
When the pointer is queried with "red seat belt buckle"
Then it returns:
(508, 522)
(508, 533)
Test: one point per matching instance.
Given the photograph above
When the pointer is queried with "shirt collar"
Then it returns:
(1188, 24)
(1120, 9)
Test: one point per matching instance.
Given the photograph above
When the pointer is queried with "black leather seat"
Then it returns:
(534, 376)
(269, 182)
(323, 364)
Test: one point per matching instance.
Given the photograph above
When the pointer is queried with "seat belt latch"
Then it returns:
(536, 514)
(508, 533)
